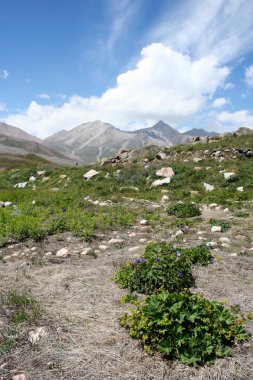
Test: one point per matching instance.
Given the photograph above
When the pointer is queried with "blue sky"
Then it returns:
(127, 62)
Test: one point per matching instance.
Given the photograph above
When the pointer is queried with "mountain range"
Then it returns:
(90, 142)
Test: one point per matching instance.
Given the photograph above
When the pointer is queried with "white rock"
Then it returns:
(142, 240)
(86, 251)
(225, 245)
(200, 232)
(165, 198)
(160, 182)
(178, 233)
(21, 376)
(48, 254)
(225, 210)
(132, 234)
(228, 175)
(213, 205)
(45, 179)
(102, 247)
(233, 254)
(165, 172)
(144, 222)
(41, 172)
(91, 173)
(240, 188)
(164, 191)
(211, 244)
(33, 202)
(7, 204)
(55, 189)
(208, 187)
(116, 241)
(133, 249)
(224, 240)
(35, 336)
(63, 253)
(216, 229)
(20, 185)
(32, 179)
(62, 176)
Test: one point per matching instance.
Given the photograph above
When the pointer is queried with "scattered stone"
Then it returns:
(226, 210)
(41, 173)
(144, 222)
(178, 233)
(200, 232)
(20, 185)
(21, 376)
(196, 159)
(35, 336)
(225, 245)
(165, 172)
(132, 234)
(228, 175)
(208, 187)
(55, 189)
(116, 241)
(211, 244)
(86, 251)
(102, 247)
(45, 179)
(62, 176)
(161, 156)
(216, 229)
(48, 254)
(197, 168)
(164, 191)
(213, 205)
(240, 188)
(160, 182)
(142, 240)
(133, 249)
(91, 173)
(165, 198)
(63, 253)
(7, 204)
(233, 254)
(194, 192)
(224, 240)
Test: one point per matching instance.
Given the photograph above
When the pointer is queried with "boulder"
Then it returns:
(63, 252)
(90, 174)
(165, 172)
(160, 182)
(20, 185)
(208, 187)
(228, 175)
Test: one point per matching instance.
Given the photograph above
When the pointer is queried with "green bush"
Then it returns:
(162, 267)
(185, 326)
(184, 210)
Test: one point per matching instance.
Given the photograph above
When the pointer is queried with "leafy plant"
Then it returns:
(185, 326)
(184, 210)
(162, 267)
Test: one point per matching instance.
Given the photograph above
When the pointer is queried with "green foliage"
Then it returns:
(162, 267)
(128, 298)
(241, 214)
(184, 210)
(222, 223)
(185, 326)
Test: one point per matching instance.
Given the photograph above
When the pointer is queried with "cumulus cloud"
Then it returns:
(219, 102)
(4, 74)
(236, 119)
(249, 75)
(165, 84)
(43, 96)
(219, 27)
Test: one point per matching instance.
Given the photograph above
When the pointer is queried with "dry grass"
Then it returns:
(82, 309)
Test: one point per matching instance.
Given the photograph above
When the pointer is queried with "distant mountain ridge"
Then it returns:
(200, 132)
(91, 141)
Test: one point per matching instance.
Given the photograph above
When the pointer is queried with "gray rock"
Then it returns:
(20, 185)
(90, 174)
(208, 187)
(165, 172)
(160, 182)
(63, 252)
(216, 229)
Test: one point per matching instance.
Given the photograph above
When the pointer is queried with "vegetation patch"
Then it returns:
(161, 268)
(222, 223)
(184, 210)
(185, 326)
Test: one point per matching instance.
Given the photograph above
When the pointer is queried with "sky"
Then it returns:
(130, 63)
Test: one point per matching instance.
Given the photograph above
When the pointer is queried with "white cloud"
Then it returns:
(4, 74)
(236, 119)
(219, 102)
(164, 85)
(2, 106)
(249, 75)
(43, 96)
(223, 28)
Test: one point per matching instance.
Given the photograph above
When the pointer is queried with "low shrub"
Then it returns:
(185, 326)
(184, 210)
(162, 267)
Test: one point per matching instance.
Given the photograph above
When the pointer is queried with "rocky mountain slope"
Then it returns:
(93, 141)
(199, 132)
(15, 141)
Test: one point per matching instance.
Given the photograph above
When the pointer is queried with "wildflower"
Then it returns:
(137, 262)
(157, 259)
(142, 260)
(178, 253)
(180, 274)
